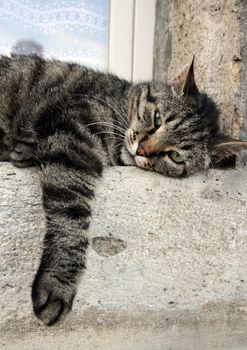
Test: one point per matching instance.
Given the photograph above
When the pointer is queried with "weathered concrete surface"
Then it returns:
(215, 32)
(169, 273)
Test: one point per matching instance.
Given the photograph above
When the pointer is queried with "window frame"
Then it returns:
(131, 37)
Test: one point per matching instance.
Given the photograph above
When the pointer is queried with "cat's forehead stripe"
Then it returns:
(150, 98)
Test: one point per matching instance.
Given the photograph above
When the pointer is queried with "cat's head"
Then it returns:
(174, 129)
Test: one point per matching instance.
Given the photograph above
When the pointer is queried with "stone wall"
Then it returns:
(215, 32)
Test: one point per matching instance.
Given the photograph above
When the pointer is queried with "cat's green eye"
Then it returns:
(157, 119)
(175, 156)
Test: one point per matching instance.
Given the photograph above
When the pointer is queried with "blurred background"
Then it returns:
(68, 30)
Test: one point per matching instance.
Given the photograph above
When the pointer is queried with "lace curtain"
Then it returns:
(74, 30)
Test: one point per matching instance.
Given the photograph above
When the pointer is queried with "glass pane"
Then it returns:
(74, 30)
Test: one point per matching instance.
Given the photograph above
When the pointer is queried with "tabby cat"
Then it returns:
(72, 121)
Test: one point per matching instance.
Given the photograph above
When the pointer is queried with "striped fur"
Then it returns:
(71, 121)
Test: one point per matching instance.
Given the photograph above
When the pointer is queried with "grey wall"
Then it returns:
(215, 32)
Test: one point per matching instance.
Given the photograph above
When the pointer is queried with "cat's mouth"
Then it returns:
(128, 154)
(132, 148)
(131, 153)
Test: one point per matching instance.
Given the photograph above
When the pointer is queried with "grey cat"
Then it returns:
(72, 121)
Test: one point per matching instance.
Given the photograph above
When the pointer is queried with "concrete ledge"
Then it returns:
(167, 267)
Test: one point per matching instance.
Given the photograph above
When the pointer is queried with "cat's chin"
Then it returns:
(126, 157)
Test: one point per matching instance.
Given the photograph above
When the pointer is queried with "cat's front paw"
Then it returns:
(52, 297)
(21, 155)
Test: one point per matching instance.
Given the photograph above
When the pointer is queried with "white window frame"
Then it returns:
(131, 36)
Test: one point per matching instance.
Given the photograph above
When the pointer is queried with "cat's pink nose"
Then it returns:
(140, 151)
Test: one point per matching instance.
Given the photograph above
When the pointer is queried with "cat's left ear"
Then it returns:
(224, 149)
(184, 84)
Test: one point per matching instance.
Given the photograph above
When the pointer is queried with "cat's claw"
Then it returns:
(52, 300)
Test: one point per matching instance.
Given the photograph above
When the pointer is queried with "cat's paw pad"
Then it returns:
(21, 155)
(52, 299)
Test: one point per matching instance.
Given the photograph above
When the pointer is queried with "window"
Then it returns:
(114, 35)
(75, 30)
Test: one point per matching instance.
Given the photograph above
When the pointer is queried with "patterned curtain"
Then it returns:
(74, 30)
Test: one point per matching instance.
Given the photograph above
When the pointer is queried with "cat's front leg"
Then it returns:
(4, 151)
(23, 144)
(70, 168)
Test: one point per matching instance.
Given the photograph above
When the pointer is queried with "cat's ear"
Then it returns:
(226, 148)
(184, 84)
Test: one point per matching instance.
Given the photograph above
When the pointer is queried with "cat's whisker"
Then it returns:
(123, 111)
(105, 118)
(120, 115)
(125, 126)
(109, 132)
(107, 124)
(118, 145)
(112, 107)
(121, 108)
(102, 100)
(112, 138)
(109, 137)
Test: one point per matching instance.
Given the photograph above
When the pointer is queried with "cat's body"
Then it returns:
(38, 97)
(72, 121)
